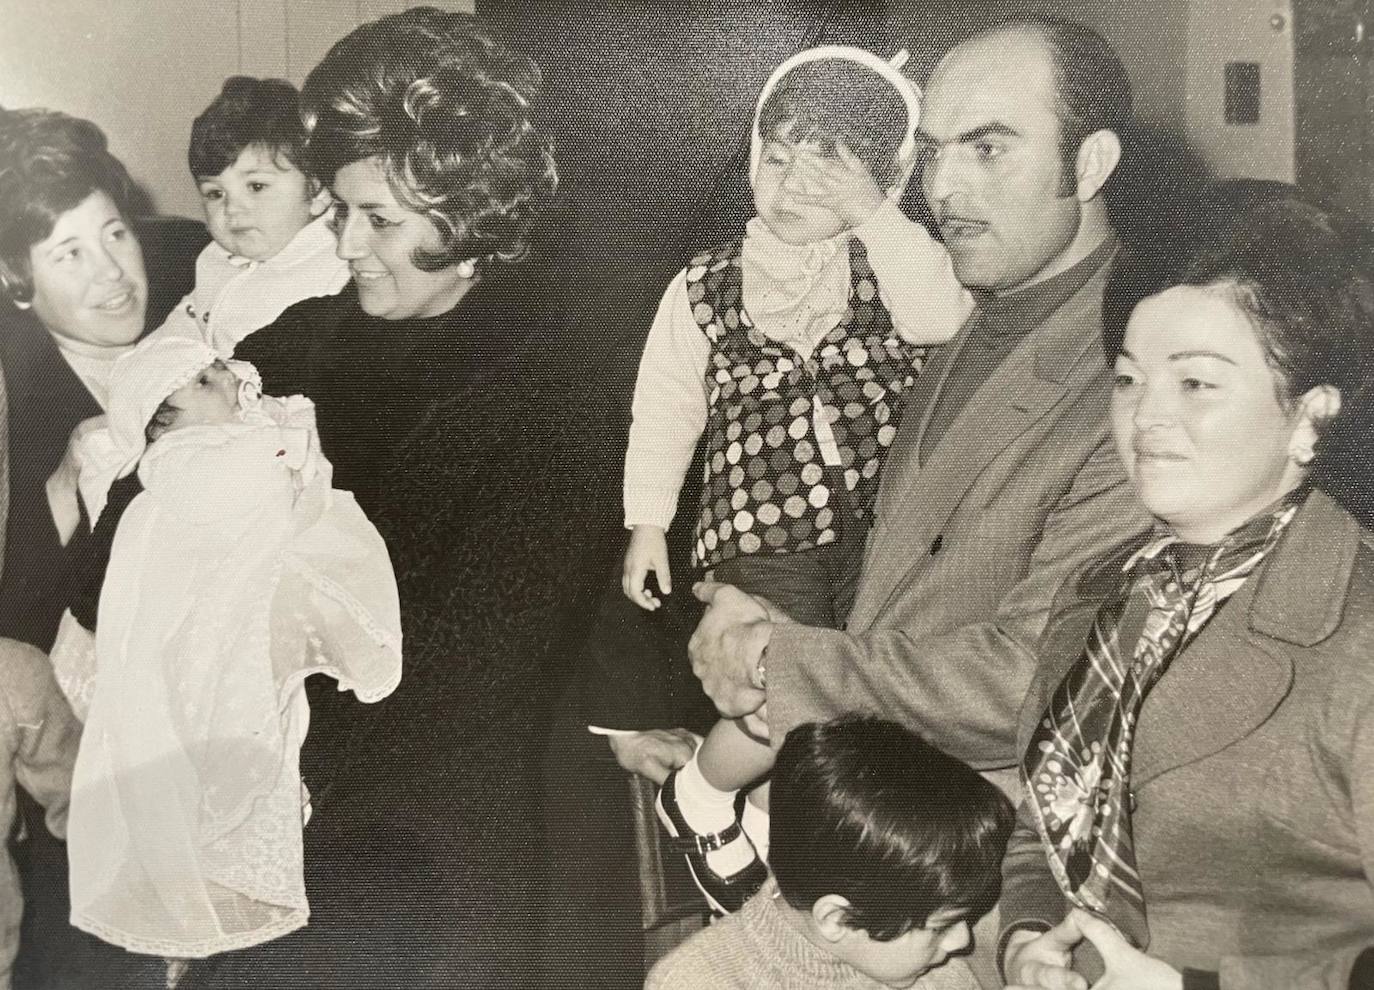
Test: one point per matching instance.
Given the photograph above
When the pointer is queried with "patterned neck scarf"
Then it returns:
(1076, 770)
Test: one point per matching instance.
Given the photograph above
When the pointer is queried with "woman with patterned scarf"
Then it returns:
(1198, 769)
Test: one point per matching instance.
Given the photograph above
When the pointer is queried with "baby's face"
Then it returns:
(211, 397)
(256, 205)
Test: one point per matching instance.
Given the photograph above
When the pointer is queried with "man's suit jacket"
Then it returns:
(968, 549)
(1252, 778)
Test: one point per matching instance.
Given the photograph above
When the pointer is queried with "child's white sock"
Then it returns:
(754, 820)
(707, 810)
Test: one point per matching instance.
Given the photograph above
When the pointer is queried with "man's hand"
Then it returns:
(726, 646)
(843, 184)
(654, 753)
(1041, 961)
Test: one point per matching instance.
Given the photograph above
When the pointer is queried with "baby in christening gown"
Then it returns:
(235, 574)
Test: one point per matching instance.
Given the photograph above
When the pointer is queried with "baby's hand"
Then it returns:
(842, 184)
(648, 552)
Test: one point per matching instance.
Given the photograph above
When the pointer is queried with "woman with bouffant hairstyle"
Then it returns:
(448, 125)
(443, 402)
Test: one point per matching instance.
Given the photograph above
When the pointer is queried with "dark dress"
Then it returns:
(458, 435)
(41, 578)
(46, 401)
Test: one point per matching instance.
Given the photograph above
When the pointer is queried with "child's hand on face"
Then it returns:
(842, 184)
(648, 552)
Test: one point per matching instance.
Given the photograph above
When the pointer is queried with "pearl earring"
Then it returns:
(1302, 454)
(466, 268)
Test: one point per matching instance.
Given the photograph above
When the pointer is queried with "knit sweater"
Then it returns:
(758, 947)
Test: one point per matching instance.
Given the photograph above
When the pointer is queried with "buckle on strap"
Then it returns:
(702, 844)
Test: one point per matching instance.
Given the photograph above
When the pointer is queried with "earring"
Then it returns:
(1302, 454)
(466, 268)
(22, 304)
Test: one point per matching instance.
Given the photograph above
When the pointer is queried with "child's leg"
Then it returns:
(730, 758)
(797, 583)
(706, 788)
(754, 819)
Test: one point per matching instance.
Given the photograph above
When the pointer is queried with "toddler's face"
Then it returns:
(779, 194)
(256, 205)
(211, 397)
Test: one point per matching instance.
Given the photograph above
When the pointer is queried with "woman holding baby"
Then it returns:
(442, 403)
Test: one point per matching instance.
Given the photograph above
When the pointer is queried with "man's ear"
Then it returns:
(1097, 159)
(321, 200)
(831, 916)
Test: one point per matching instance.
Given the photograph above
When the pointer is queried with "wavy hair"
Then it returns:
(247, 112)
(49, 163)
(445, 108)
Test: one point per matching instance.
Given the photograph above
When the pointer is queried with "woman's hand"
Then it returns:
(1127, 968)
(648, 552)
(1041, 961)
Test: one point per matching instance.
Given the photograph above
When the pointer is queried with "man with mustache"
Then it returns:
(1002, 481)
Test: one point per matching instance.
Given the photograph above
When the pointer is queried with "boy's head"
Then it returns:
(891, 847)
(245, 155)
(820, 99)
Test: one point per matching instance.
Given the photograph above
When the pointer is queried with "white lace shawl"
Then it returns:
(234, 575)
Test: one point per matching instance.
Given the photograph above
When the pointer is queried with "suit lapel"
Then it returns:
(1222, 686)
(1031, 381)
(1233, 676)
(904, 460)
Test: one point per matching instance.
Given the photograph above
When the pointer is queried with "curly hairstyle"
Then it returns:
(247, 112)
(1303, 273)
(49, 164)
(445, 108)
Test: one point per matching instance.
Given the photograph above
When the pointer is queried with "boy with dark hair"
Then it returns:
(884, 851)
(272, 243)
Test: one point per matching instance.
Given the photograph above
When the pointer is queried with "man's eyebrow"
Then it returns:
(975, 134)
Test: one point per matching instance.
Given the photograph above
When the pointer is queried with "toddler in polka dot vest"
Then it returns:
(792, 350)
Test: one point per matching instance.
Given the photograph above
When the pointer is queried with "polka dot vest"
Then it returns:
(778, 421)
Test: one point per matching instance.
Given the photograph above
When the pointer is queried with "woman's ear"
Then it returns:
(830, 914)
(1316, 407)
(1097, 159)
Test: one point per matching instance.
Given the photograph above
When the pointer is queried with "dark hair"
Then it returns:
(445, 108)
(49, 164)
(838, 101)
(163, 419)
(1092, 89)
(863, 808)
(1304, 275)
(247, 112)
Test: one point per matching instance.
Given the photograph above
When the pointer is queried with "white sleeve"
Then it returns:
(915, 275)
(669, 411)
